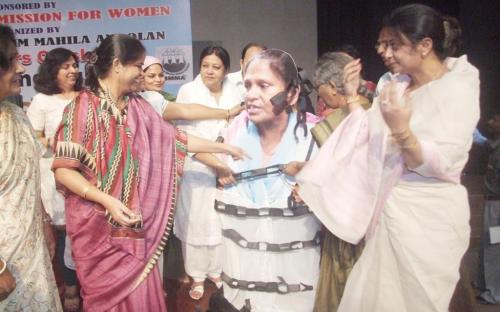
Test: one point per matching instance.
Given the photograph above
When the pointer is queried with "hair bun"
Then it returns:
(90, 57)
(452, 34)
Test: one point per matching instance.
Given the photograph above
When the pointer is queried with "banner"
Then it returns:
(163, 26)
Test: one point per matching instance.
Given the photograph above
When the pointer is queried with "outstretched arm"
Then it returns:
(175, 111)
(199, 145)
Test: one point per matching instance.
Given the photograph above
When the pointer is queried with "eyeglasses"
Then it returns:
(384, 45)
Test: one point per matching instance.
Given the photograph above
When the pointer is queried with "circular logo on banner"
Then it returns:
(174, 61)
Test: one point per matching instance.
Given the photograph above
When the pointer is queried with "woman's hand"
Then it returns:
(222, 170)
(236, 110)
(293, 167)
(7, 283)
(352, 78)
(295, 194)
(120, 212)
(395, 108)
(224, 174)
(236, 152)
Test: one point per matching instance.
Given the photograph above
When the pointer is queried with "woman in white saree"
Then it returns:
(26, 278)
(393, 173)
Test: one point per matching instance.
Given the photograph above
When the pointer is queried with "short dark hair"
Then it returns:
(8, 50)
(252, 45)
(218, 51)
(124, 47)
(46, 77)
(418, 21)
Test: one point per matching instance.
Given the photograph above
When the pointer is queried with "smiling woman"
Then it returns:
(58, 81)
(26, 278)
(108, 137)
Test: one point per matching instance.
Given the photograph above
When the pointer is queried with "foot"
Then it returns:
(216, 280)
(197, 290)
(71, 300)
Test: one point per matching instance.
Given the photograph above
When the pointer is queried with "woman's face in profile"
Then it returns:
(131, 76)
(10, 80)
(68, 74)
(154, 78)
(212, 72)
(330, 96)
(261, 84)
(397, 52)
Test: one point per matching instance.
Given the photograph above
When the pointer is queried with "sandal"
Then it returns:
(216, 280)
(197, 290)
(71, 301)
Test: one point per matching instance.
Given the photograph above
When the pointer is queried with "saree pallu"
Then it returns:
(117, 265)
(337, 256)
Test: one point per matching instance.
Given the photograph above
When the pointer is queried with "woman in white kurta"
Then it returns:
(57, 82)
(394, 172)
(26, 278)
(196, 222)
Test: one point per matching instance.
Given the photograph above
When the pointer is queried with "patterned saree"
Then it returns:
(137, 158)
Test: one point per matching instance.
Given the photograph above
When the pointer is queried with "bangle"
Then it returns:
(85, 191)
(401, 136)
(409, 146)
(4, 266)
(227, 115)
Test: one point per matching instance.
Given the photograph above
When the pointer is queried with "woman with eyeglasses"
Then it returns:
(393, 172)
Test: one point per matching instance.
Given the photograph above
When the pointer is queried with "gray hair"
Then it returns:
(330, 67)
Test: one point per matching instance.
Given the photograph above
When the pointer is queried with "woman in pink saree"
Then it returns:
(118, 164)
(391, 175)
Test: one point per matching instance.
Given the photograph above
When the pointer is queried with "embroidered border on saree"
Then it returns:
(179, 155)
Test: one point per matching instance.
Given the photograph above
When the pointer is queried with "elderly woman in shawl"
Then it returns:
(26, 279)
(118, 224)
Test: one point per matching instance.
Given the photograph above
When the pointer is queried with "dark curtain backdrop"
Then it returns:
(357, 22)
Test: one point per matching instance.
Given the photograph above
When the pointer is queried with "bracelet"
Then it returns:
(85, 191)
(227, 115)
(4, 266)
(401, 136)
(409, 146)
